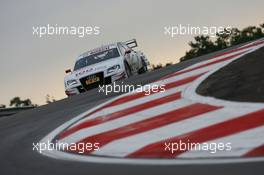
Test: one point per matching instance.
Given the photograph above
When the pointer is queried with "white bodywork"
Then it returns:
(105, 71)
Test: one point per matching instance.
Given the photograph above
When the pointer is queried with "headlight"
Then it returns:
(71, 82)
(113, 69)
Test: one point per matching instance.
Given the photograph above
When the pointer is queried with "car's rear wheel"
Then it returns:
(128, 70)
(144, 69)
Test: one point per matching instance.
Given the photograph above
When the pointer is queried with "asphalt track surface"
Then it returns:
(19, 131)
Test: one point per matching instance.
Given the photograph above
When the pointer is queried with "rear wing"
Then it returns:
(131, 43)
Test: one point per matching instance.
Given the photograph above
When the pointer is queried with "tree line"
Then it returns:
(18, 102)
(203, 44)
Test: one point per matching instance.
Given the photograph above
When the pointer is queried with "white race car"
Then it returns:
(104, 65)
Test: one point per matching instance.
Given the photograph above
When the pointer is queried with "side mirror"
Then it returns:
(127, 52)
(68, 71)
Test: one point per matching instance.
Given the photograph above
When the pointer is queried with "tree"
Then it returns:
(17, 102)
(158, 66)
(235, 36)
(2, 106)
(262, 27)
(222, 40)
(200, 46)
(27, 102)
(168, 64)
(49, 99)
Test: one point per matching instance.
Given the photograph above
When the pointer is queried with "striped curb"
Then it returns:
(134, 128)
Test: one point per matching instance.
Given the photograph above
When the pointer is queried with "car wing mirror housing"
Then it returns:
(68, 71)
(127, 52)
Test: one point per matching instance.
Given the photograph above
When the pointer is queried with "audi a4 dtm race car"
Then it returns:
(104, 65)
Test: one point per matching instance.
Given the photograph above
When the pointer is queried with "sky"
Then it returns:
(32, 67)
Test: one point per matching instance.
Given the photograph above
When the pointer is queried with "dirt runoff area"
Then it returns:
(242, 80)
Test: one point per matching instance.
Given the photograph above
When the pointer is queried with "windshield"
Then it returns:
(96, 58)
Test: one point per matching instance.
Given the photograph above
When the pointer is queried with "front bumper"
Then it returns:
(88, 82)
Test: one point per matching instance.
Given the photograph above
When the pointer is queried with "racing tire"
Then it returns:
(127, 70)
(144, 69)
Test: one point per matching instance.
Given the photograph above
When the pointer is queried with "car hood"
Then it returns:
(94, 68)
